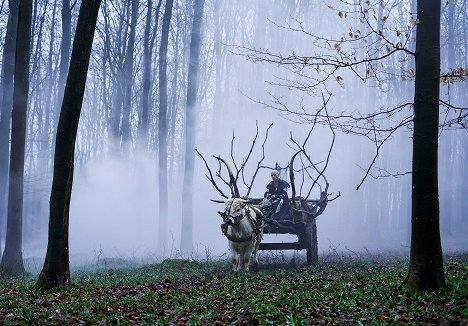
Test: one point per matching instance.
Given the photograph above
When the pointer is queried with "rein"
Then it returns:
(250, 237)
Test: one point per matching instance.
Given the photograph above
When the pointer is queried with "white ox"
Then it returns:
(244, 230)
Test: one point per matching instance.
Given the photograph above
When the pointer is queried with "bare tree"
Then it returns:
(148, 46)
(12, 259)
(162, 127)
(426, 270)
(7, 102)
(190, 125)
(56, 269)
(65, 46)
(128, 73)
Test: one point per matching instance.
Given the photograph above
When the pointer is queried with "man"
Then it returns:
(277, 197)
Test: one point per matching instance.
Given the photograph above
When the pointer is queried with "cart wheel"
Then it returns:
(311, 242)
(255, 267)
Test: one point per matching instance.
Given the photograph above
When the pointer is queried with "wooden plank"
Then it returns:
(282, 246)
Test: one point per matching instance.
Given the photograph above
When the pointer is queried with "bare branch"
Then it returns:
(448, 105)
(210, 177)
(259, 162)
(250, 152)
(291, 175)
(232, 180)
(379, 145)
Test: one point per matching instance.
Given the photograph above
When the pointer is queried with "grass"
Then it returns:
(192, 292)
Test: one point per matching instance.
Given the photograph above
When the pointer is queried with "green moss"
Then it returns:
(347, 292)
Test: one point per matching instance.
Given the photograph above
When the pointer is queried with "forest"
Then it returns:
(121, 119)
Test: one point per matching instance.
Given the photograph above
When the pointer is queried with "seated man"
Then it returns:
(276, 202)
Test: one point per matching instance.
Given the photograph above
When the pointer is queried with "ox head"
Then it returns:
(234, 210)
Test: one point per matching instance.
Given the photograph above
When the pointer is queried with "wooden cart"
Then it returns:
(301, 222)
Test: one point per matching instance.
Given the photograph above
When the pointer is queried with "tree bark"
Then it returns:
(162, 127)
(7, 102)
(65, 46)
(147, 56)
(56, 269)
(128, 74)
(12, 260)
(186, 242)
(426, 264)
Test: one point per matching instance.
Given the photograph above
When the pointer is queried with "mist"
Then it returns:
(115, 207)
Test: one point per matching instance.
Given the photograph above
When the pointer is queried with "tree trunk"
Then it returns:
(175, 95)
(65, 45)
(186, 237)
(162, 126)
(426, 265)
(7, 102)
(143, 125)
(143, 132)
(128, 74)
(56, 269)
(12, 260)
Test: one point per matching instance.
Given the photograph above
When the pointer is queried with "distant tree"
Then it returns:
(12, 259)
(116, 41)
(128, 73)
(186, 237)
(65, 47)
(56, 269)
(7, 102)
(148, 46)
(162, 127)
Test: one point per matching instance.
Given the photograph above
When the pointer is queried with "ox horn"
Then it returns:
(218, 201)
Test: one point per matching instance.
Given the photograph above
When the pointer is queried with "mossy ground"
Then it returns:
(192, 292)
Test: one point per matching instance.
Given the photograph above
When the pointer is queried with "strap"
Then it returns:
(235, 239)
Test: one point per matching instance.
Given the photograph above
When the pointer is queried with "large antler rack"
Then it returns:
(232, 179)
(239, 169)
(319, 206)
(210, 176)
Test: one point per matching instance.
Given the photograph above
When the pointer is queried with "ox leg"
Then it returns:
(246, 261)
(235, 260)
(255, 252)
(255, 258)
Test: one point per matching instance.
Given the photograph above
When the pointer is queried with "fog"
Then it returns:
(114, 207)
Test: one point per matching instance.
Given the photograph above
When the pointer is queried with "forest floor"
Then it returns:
(343, 291)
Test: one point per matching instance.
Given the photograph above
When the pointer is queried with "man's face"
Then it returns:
(275, 176)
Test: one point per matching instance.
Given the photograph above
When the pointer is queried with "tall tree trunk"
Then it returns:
(186, 236)
(56, 269)
(143, 125)
(128, 74)
(217, 97)
(65, 46)
(143, 132)
(426, 264)
(117, 67)
(7, 102)
(44, 144)
(447, 140)
(12, 260)
(175, 94)
(162, 127)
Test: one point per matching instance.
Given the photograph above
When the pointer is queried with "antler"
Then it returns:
(249, 187)
(232, 180)
(291, 175)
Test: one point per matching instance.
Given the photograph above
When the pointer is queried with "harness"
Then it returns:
(254, 223)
